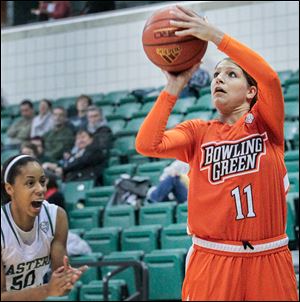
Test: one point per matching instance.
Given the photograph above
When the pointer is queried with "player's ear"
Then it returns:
(9, 189)
(252, 91)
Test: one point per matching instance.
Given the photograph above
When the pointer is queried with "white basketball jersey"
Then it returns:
(26, 265)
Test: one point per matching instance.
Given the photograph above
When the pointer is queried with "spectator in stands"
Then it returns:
(97, 125)
(82, 104)
(199, 80)
(53, 194)
(61, 138)
(28, 148)
(92, 7)
(19, 131)
(86, 161)
(43, 122)
(40, 144)
(173, 180)
(49, 10)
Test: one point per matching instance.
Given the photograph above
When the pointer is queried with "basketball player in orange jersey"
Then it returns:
(238, 180)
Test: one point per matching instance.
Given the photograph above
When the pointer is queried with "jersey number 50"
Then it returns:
(17, 281)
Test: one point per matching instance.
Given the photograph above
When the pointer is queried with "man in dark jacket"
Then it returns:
(85, 161)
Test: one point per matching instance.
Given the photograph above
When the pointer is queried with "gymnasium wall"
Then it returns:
(103, 52)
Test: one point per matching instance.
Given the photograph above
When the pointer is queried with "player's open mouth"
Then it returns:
(37, 204)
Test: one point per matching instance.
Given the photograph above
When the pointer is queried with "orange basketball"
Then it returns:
(165, 49)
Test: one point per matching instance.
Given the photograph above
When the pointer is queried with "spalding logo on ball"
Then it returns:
(165, 49)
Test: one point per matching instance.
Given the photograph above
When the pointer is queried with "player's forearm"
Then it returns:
(28, 294)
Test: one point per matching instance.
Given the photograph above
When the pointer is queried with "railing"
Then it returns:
(140, 274)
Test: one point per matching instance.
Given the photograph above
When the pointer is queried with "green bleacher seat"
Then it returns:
(116, 124)
(205, 102)
(93, 272)
(119, 216)
(138, 159)
(104, 240)
(291, 155)
(126, 275)
(6, 154)
(293, 90)
(205, 90)
(292, 166)
(98, 196)
(145, 109)
(142, 237)
(112, 173)
(94, 291)
(132, 126)
(166, 273)
(153, 170)
(86, 218)
(65, 102)
(114, 97)
(293, 79)
(181, 213)
(13, 110)
(125, 144)
(183, 104)
(5, 123)
(128, 99)
(74, 191)
(291, 221)
(127, 110)
(294, 181)
(160, 213)
(291, 110)
(107, 109)
(96, 97)
(173, 120)
(72, 296)
(175, 236)
(284, 75)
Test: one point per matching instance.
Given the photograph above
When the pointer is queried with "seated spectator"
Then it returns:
(97, 125)
(28, 148)
(49, 10)
(199, 80)
(82, 104)
(61, 138)
(43, 122)
(53, 194)
(174, 180)
(20, 130)
(40, 144)
(86, 161)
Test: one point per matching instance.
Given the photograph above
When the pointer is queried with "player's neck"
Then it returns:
(23, 221)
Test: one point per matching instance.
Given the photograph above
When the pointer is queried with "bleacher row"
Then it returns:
(155, 234)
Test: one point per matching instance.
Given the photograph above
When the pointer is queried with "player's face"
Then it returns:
(229, 87)
(28, 190)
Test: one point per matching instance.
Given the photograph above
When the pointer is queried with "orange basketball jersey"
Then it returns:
(238, 180)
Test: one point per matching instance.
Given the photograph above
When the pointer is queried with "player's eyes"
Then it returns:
(216, 74)
(232, 74)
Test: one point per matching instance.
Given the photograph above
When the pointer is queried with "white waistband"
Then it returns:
(240, 248)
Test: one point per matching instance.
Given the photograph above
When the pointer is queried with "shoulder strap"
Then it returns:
(49, 218)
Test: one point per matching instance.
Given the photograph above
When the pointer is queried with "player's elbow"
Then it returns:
(141, 147)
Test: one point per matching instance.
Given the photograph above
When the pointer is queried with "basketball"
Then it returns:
(165, 49)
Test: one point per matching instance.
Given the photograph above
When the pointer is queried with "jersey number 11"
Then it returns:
(238, 203)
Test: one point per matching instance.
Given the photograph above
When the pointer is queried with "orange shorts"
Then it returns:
(229, 271)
